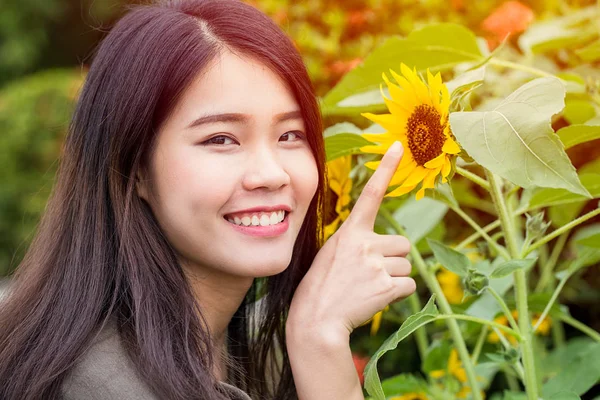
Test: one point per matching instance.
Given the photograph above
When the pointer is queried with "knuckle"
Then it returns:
(371, 190)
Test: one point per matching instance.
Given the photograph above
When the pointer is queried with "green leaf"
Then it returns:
(578, 376)
(466, 81)
(575, 134)
(403, 383)
(437, 355)
(437, 47)
(578, 111)
(590, 53)
(544, 197)
(412, 323)
(342, 127)
(511, 266)
(559, 33)
(590, 241)
(420, 217)
(564, 396)
(343, 144)
(370, 98)
(515, 139)
(451, 259)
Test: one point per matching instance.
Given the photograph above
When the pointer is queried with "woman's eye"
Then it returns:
(219, 140)
(295, 135)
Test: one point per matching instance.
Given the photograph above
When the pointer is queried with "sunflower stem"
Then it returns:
(473, 178)
(547, 268)
(479, 229)
(507, 222)
(479, 344)
(505, 308)
(520, 67)
(421, 333)
(581, 326)
(435, 288)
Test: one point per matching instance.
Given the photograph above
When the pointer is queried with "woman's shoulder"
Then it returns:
(105, 372)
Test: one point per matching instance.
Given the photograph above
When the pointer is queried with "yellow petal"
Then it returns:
(373, 149)
(372, 164)
(451, 147)
(389, 122)
(436, 162)
(446, 168)
(400, 191)
(421, 91)
(403, 171)
(416, 176)
(428, 183)
(376, 323)
(381, 138)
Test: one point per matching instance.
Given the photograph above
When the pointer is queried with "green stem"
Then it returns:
(421, 333)
(479, 344)
(473, 178)
(520, 67)
(555, 294)
(558, 333)
(476, 235)
(513, 384)
(501, 250)
(505, 308)
(481, 321)
(547, 269)
(582, 327)
(561, 230)
(435, 288)
(507, 346)
(505, 214)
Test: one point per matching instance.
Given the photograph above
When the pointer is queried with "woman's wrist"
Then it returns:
(320, 336)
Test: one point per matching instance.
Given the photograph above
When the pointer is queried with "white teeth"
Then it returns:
(274, 218)
(262, 219)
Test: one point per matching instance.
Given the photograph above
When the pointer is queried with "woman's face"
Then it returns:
(233, 153)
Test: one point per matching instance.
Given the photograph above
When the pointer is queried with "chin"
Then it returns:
(270, 269)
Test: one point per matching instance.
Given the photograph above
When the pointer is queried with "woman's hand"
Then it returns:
(357, 272)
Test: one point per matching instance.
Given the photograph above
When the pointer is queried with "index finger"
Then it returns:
(366, 207)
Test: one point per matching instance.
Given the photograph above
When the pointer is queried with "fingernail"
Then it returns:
(396, 147)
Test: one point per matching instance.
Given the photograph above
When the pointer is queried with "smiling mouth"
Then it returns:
(265, 219)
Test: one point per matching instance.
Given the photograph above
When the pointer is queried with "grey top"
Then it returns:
(105, 372)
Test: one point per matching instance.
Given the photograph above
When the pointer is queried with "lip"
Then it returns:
(263, 209)
(263, 231)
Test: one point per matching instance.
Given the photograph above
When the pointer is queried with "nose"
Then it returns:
(264, 169)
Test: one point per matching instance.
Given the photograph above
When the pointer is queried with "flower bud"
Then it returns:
(536, 226)
(476, 282)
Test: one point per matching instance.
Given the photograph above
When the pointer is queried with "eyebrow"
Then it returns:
(242, 118)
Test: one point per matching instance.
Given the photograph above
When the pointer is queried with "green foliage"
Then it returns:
(34, 115)
(415, 321)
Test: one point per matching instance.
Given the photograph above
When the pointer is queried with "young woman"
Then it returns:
(194, 165)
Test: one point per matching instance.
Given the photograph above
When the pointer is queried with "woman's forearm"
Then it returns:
(322, 364)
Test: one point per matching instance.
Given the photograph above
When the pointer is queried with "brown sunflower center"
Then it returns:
(425, 134)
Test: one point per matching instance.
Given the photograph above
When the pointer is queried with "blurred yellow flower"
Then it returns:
(410, 396)
(376, 321)
(340, 185)
(543, 329)
(451, 286)
(418, 118)
(454, 368)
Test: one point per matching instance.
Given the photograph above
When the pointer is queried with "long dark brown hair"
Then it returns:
(99, 253)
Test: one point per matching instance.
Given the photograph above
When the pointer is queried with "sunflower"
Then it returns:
(418, 118)
(338, 196)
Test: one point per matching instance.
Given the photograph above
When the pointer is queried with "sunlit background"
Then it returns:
(46, 47)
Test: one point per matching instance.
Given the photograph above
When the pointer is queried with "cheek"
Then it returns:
(306, 177)
(189, 185)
